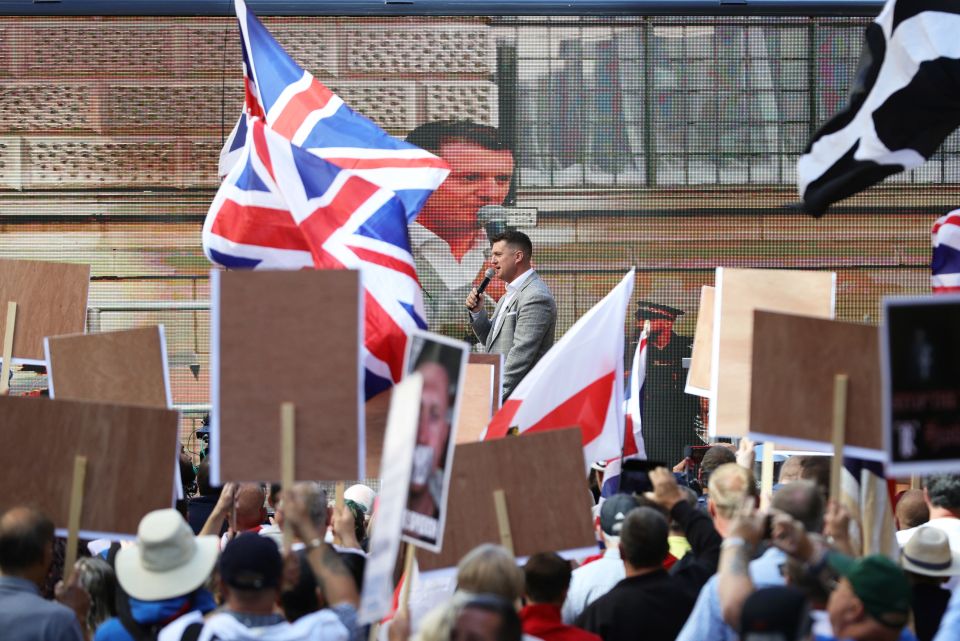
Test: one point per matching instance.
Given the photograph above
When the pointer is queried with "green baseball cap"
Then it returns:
(879, 583)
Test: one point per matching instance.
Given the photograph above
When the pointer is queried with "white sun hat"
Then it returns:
(167, 560)
(928, 552)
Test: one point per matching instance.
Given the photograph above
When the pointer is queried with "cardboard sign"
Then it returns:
(283, 336)
(920, 352)
(51, 299)
(126, 368)
(795, 359)
(497, 361)
(477, 404)
(128, 452)
(376, 598)
(739, 292)
(548, 506)
(698, 378)
(442, 362)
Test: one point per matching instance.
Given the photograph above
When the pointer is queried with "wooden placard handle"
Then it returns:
(8, 348)
(287, 454)
(839, 433)
(408, 560)
(73, 520)
(503, 519)
(766, 475)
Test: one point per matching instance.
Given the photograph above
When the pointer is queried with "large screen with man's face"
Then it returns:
(668, 144)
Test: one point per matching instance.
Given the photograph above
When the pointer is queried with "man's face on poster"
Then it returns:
(478, 177)
(434, 427)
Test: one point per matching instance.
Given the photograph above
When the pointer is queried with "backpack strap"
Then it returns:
(192, 632)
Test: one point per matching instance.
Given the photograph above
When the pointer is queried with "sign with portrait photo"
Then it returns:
(442, 362)
(920, 353)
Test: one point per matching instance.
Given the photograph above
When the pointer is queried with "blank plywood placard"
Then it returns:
(548, 508)
(795, 359)
(497, 361)
(476, 404)
(127, 473)
(286, 336)
(739, 292)
(51, 300)
(128, 367)
(698, 378)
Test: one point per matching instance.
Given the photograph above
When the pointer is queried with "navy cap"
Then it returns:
(251, 562)
(614, 510)
(778, 612)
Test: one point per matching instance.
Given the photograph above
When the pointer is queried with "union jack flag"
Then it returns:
(945, 266)
(633, 447)
(312, 184)
(298, 107)
(312, 213)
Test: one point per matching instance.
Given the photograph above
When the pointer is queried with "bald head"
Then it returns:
(803, 501)
(250, 510)
(26, 540)
(912, 509)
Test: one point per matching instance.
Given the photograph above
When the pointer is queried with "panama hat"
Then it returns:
(167, 560)
(928, 552)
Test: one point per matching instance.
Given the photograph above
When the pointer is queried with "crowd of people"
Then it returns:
(670, 564)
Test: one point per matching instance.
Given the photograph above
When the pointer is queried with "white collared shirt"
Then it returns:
(436, 252)
(513, 288)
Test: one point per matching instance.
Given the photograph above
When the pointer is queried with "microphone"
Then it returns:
(493, 219)
(487, 275)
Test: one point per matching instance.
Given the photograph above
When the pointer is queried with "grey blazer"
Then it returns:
(526, 333)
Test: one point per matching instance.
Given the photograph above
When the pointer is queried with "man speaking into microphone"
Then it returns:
(523, 324)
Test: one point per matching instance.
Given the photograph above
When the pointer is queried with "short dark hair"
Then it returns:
(643, 539)
(712, 459)
(515, 238)
(547, 577)
(510, 627)
(944, 490)
(817, 469)
(432, 135)
(24, 536)
(204, 488)
(802, 500)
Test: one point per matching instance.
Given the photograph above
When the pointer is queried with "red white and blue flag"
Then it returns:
(311, 184)
(945, 266)
(633, 447)
(328, 218)
(298, 107)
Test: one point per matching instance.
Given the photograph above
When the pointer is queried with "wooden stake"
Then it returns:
(8, 348)
(916, 482)
(839, 433)
(407, 576)
(503, 519)
(73, 520)
(338, 493)
(287, 459)
(766, 475)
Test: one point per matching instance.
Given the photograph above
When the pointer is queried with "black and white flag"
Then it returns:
(904, 101)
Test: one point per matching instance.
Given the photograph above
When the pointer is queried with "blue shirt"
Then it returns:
(950, 623)
(905, 635)
(706, 620)
(27, 616)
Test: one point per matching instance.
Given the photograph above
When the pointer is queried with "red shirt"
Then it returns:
(543, 621)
